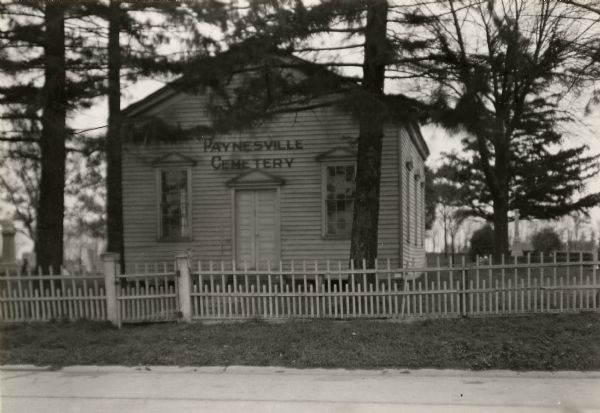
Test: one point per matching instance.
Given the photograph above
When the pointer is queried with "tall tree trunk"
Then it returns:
(500, 205)
(371, 123)
(49, 245)
(114, 195)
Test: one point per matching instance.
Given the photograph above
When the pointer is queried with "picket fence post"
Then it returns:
(110, 261)
(183, 284)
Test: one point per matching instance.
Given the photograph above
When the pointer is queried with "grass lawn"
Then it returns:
(545, 342)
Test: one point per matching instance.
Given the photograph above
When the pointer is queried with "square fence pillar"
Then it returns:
(183, 285)
(111, 264)
(8, 243)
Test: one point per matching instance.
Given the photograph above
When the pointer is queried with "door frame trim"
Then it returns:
(254, 188)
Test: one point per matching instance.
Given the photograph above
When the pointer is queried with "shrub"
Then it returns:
(482, 241)
(546, 240)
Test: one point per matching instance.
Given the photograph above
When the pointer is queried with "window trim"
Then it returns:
(347, 161)
(159, 228)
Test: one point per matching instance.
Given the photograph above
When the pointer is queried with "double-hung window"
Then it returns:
(339, 198)
(174, 209)
(338, 169)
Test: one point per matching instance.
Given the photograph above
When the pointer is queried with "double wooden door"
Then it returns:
(257, 227)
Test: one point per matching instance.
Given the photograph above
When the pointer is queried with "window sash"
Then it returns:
(174, 209)
(339, 187)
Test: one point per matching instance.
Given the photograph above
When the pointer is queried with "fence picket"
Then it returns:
(594, 279)
(445, 299)
(389, 285)
(312, 307)
(317, 278)
(486, 310)
(515, 292)
(439, 285)
(542, 279)
(587, 292)
(359, 300)
(229, 304)
(554, 283)
(535, 291)
(288, 312)
(396, 299)
(581, 307)
(561, 294)
(304, 275)
(471, 300)
(270, 288)
(354, 289)
(281, 288)
(294, 313)
(328, 280)
(254, 312)
(574, 294)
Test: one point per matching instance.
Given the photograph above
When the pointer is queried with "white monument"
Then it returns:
(517, 245)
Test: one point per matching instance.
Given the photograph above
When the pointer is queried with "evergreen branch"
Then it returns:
(582, 5)
(15, 140)
(320, 49)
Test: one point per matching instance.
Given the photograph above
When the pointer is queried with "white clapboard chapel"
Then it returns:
(280, 191)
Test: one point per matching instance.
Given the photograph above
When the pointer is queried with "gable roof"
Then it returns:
(151, 100)
(399, 103)
(414, 132)
(294, 62)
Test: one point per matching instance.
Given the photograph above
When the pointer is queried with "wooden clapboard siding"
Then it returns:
(212, 201)
(388, 207)
(412, 247)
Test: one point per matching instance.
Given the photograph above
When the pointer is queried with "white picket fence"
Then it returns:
(226, 291)
(38, 297)
(317, 290)
(148, 294)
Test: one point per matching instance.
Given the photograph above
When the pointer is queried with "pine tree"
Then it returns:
(48, 74)
(49, 244)
(28, 137)
(501, 71)
(114, 193)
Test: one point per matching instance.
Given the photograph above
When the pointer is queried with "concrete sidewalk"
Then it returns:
(254, 389)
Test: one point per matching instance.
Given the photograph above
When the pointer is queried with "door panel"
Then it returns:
(266, 227)
(257, 228)
(245, 241)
